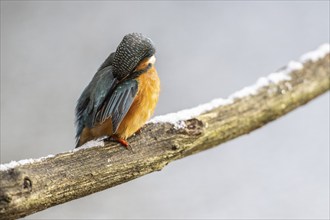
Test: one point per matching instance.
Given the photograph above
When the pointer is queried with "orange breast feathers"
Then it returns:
(144, 103)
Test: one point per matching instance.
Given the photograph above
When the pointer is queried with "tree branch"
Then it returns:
(29, 186)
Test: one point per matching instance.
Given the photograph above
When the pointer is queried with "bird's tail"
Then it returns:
(78, 144)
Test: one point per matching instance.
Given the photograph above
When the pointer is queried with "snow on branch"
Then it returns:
(31, 185)
(273, 78)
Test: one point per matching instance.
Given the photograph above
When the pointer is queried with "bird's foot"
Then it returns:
(122, 141)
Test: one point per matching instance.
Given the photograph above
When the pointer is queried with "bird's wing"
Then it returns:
(118, 103)
(92, 98)
(105, 97)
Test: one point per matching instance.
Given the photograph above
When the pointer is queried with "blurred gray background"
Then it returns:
(205, 50)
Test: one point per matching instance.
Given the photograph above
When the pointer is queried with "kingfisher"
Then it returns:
(122, 95)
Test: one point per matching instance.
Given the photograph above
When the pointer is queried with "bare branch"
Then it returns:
(29, 186)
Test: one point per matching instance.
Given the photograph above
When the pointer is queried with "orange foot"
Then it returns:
(122, 142)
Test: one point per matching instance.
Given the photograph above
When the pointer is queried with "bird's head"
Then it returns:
(133, 49)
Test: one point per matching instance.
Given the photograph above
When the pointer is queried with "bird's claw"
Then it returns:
(123, 142)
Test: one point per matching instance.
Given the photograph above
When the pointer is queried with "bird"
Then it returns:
(122, 94)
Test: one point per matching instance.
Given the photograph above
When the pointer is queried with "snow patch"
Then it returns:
(177, 118)
(315, 55)
(93, 143)
(13, 164)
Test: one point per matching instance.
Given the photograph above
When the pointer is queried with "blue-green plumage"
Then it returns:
(113, 88)
(105, 97)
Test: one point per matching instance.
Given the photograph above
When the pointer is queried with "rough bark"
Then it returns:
(26, 189)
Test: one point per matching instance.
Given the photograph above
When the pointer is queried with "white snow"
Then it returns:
(14, 164)
(93, 143)
(276, 77)
(178, 118)
(322, 51)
